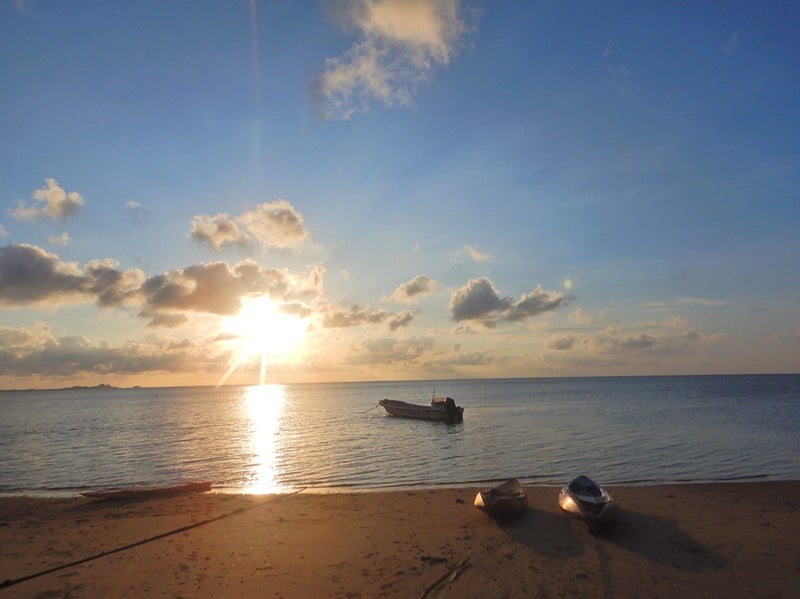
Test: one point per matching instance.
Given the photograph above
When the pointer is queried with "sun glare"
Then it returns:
(261, 329)
(264, 404)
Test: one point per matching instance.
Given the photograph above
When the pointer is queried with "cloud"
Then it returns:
(139, 215)
(619, 75)
(620, 79)
(50, 201)
(675, 323)
(400, 320)
(732, 43)
(684, 301)
(478, 300)
(389, 350)
(3, 231)
(214, 288)
(29, 276)
(579, 316)
(216, 230)
(609, 48)
(275, 224)
(334, 317)
(352, 317)
(420, 285)
(272, 224)
(561, 342)
(37, 352)
(612, 341)
(401, 44)
(475, 254)
(534, 303)
(62, 239)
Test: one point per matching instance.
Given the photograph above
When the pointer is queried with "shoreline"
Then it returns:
(672, 540)
(389, 488)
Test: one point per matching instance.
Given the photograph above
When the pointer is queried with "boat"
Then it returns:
(507, 500)
(441, 409)
(146, 492)
(584, 499)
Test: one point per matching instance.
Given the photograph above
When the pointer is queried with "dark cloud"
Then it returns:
(532, 304)
(165, 321)
(418, 286)
(30, 275)
(110, 286)
(400, 320)
(478, 300)
(562, 342)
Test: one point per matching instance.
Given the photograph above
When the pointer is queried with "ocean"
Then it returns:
(330, 437)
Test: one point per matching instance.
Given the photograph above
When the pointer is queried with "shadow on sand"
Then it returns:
(650, 537)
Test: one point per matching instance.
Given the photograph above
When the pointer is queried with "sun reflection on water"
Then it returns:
(264, 405)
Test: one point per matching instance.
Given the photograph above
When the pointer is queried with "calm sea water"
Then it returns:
(630, 430)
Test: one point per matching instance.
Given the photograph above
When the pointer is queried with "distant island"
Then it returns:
(99, 387)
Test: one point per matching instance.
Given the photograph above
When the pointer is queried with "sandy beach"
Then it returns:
(698, 540)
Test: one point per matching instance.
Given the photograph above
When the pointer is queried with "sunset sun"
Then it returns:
(261, 329)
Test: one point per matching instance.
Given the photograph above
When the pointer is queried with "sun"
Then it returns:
(261, 329)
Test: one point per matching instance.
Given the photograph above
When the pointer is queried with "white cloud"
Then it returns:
(475, 254)
(216, 230)
(50, 201)
(62, 239)
(273, 224)
(402, 42)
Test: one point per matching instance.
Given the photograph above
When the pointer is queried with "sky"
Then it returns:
(203, 193)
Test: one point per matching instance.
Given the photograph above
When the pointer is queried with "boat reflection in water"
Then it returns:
(264, 405)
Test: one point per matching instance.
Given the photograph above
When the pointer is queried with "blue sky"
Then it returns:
(396, 189)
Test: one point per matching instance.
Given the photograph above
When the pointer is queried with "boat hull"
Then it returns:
(587, 501)
(145, 492)
(437, 413)
(508, 500)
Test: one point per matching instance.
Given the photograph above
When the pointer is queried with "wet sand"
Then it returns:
(698, 540)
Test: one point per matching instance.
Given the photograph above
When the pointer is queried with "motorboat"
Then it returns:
(507, 500)
(584, 499)
(441, 409)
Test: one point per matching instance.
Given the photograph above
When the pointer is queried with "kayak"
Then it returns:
(507, 500)
(144, 492)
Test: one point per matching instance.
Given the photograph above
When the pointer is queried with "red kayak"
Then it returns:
(142, 492)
